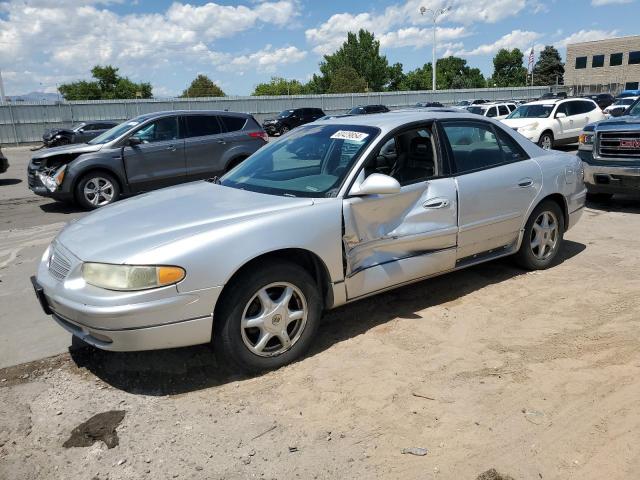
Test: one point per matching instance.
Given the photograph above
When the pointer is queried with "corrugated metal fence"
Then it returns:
(25, 122)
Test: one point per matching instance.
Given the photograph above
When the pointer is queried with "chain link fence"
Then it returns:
(26, 122)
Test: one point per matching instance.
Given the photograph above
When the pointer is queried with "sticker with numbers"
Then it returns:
(349, 135)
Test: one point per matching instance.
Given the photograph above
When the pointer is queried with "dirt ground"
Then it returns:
(535, 375)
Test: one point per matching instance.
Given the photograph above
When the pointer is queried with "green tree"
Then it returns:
(508, 70)
(279, 86)
(396, 77)
(346, 80)
(361, 52)
(418, 79)
(451, 72)
(315, 85)
(108, 85)
(549, 68)
(203, 86)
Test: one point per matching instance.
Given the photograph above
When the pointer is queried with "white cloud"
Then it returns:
(419, 37)
(62, 40)
(586, 36)
(266, 60)
(521, 39)
(600, 3)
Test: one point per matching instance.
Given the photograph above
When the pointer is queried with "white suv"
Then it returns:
(554, 122)
(497, 110)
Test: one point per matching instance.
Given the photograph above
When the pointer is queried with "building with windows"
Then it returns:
(609, 65)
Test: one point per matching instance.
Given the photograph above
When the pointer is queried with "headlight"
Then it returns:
(53, 181)
(130, 277)
(585, 139)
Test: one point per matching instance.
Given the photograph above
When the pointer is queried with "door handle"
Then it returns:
(434, 203)
(171, 148)
(525, 182)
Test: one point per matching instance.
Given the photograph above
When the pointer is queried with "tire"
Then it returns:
(104, 186)
(546, 140)
(240, 345)
(530, 255)
(234, 163)
(599, 197)
(284, 129)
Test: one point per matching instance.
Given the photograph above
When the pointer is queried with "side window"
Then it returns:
(492, 112)
(563, 108)
(202, 125)
(474, 146)
(92, 126)
(233, 124)
(511, 151)
(574, 107)
(163, 129)
(503, 110)
(588, 107)
(409, 157)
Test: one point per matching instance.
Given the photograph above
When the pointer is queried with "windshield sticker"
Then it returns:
(349, 135)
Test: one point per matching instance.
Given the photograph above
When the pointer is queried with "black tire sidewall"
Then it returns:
(526, 258)
(227, 338)
(79, 190)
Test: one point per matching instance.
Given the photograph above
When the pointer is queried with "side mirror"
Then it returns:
(376, 184)
(81, 130)
(561, 115)
(133, 141)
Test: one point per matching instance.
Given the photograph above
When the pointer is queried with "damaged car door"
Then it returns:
(398, 235)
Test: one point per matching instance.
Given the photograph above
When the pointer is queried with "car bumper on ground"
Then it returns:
(122, 321)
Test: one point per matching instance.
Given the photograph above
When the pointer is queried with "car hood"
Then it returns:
(120, 231)
(521, 122)
(76, 148)
(627, 122)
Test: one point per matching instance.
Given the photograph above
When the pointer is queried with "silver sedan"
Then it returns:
(330, 213)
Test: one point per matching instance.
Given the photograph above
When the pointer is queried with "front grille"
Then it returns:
(619, 144)
(59, 265)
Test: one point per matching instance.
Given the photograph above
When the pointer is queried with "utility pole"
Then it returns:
(434, 14)
(2, 97)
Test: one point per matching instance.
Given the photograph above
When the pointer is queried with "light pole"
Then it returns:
(434, 13)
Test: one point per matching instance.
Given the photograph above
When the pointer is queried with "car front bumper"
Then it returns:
(123, 321)
(602, 177)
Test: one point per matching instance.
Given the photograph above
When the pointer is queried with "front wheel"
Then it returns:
(543, 235)
(546, 141)
(284, 129)
(268, 317)
(96, 189)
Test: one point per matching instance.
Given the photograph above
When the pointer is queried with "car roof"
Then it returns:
(398, 118)
(165, 113)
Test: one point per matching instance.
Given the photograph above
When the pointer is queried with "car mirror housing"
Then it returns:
(133, 141)
(561, 115)
(376, 184)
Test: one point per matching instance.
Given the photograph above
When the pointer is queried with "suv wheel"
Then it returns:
(284, 129)
(543, 235)
(268, 317)
(97, 189)
(546, 141)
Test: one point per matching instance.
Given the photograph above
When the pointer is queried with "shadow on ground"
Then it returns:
(61, 207)
(619, 203)
(9, 181)
(175, 371)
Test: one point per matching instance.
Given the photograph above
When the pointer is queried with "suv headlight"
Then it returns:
(131, 277)
(586, 139)
(54, 180)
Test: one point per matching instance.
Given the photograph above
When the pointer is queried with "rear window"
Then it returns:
(233, 124)
(202, 125)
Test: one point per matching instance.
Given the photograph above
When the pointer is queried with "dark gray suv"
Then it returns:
(145, 153)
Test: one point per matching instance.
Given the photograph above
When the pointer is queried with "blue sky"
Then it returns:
(239, 44)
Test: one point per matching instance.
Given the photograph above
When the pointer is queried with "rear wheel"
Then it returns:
(546, 141)
(284, 129)
(96, 189)
(543, 235)
(267, 318)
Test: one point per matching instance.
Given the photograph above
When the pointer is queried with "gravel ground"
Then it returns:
(534, 375)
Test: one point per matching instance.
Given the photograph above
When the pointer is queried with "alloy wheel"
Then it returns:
(546, 142)
(274, 318)
(544, 235)
(98, 191)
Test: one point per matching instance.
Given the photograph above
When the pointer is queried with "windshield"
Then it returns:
(532, 111)
(77, 126)
(476, 110)
(624, 101)
(356, 111)
(463, 103)
(114, 132)
(634, 109)
(285, 113)
(311, 161)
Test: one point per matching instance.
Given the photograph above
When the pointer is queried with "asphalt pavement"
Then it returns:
(28, 223)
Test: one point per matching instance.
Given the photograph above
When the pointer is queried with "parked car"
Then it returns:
(290, 119)
(150, 151)
(79, 133)
(4, 163)
(610, 150)
(619, 106)
(602, 99)
(367, 109)
(328, 214)
(466, 103)
(552, 95)
(554, 122)
(492, 110)
(428, 104)
(629, 93)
